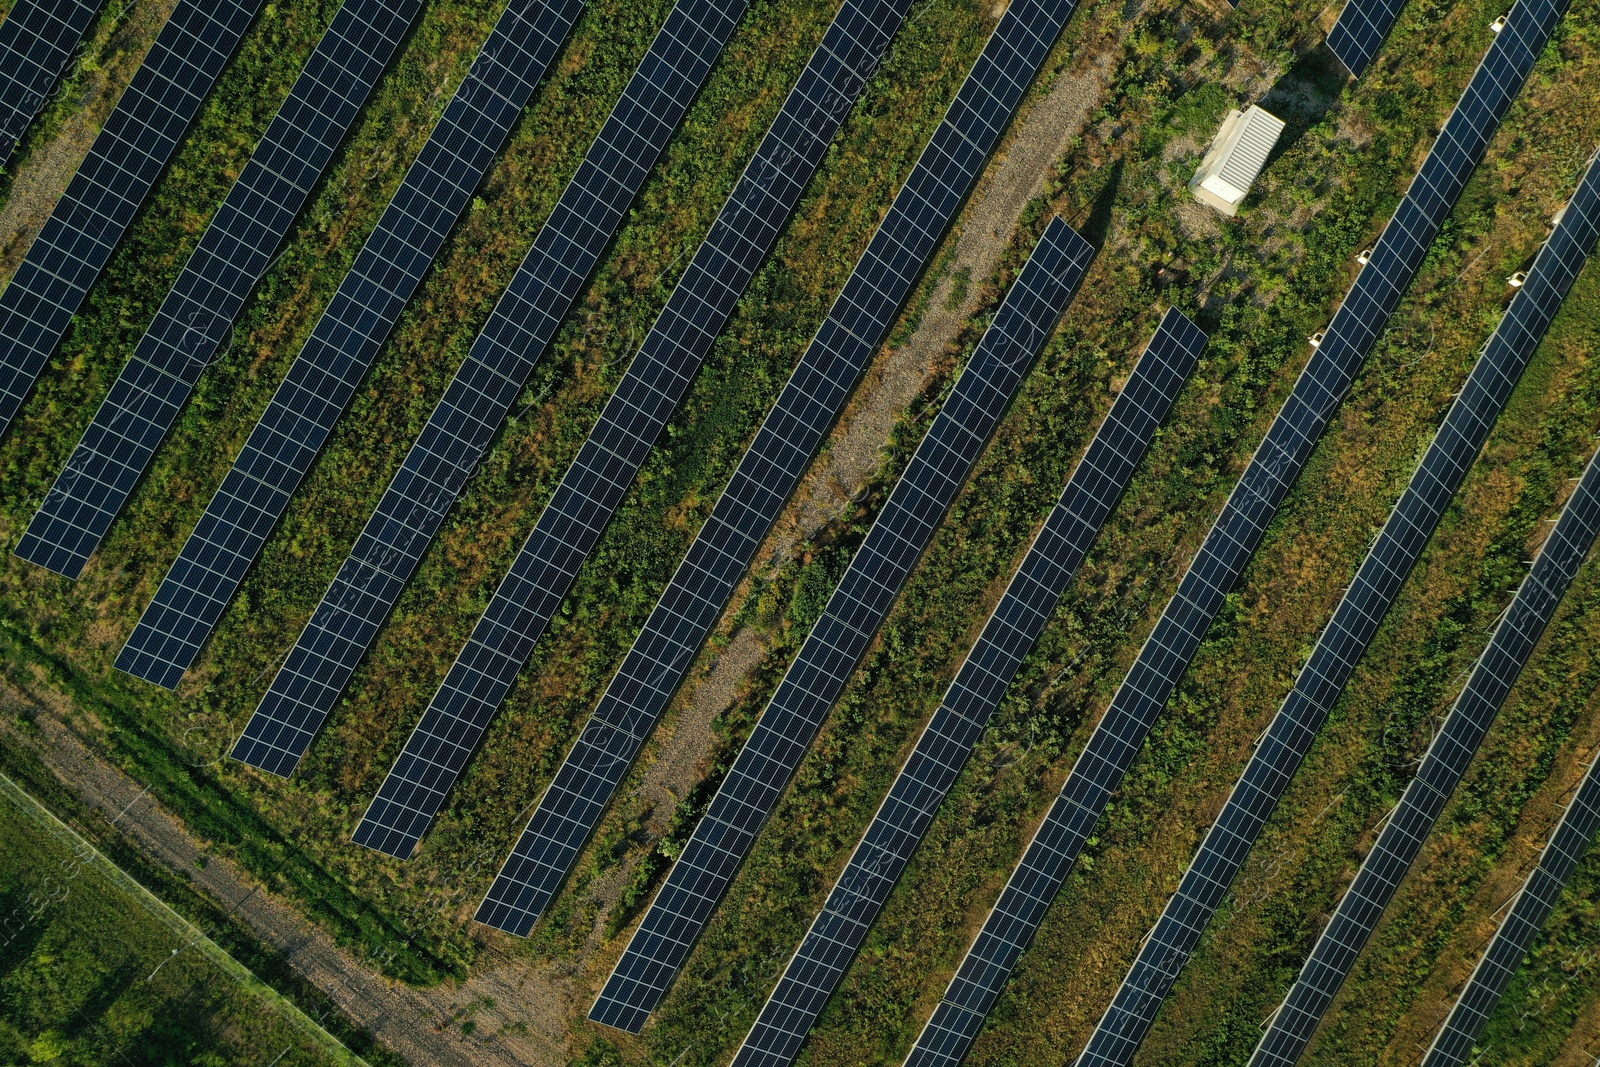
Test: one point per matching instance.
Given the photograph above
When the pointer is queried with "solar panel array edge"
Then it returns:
(856, 609)
(1502, 958)
(1233, 537)
(947, 740)
(636, 413)
(37, 39)
(439, 463)
(1412, 819)
(745, 510)
(436, 189)
(197, 315)
(128, 155)
(1361, 29)
(1378, 581)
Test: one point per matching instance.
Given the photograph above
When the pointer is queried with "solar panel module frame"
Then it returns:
(768, 472)
(37, 39)
(458, 432)
(111, 184)
(196, 317)
(436, 189)
(595, 483)
(1362, 27)
(1232, 539)
(1029, 603)
(1382, 574)
(839, 639)
(1453, 1045)
(1444, 764)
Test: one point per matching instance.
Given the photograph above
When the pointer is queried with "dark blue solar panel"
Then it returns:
(508, 347)
(1573, 835)
(836, 643)
(656, 380)
(1238, 530)
(747, 508)
(197, 314)
(126, 159)
(1446, 761)
(36, 42)
(1029, 602)
(1360, 32)
(1288, 738)
(436, 190)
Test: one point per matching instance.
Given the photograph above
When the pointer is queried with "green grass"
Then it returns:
(91, 974)
(1258, 285)
(1559, 981)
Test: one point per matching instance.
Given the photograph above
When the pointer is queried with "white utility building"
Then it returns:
(1235, 158)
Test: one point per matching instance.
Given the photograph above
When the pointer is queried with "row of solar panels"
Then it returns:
(656, 380)
(1354, 624)
(1216, 569)
(478, 399)
(194, 321)
(37, 40)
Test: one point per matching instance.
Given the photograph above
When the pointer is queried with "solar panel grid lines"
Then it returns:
(814, 680)
(105, 193)
(1362, 27)
(1453, 1045)
(436, 189)
(1355, 622)
(441, 461)
(196, 317)
(37, 39)
(771, 468)
(1234, 537)
(637, 412)
(1027, 606)
(1442, 768)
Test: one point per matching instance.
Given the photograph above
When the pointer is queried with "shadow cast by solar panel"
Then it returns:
(1095, 226)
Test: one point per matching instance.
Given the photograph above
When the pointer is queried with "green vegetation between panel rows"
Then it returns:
(1259, 285)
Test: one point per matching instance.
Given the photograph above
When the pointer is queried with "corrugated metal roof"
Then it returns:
(1257, 133)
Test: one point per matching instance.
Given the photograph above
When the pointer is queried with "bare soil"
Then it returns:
(686, 738)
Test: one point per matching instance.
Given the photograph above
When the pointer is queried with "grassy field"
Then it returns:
(1258, 285)
(94, 972)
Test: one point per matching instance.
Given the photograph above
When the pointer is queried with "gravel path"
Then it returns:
(855, 449)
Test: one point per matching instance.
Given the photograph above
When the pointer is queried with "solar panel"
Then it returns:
(1360, 32)
(36, 42)
(505, 352)
(769, 470)
(837, 641)
(1029, 603)
(1453, 1045)
(1233, 538)
(633, 418)
(1391, 558)
(1446, 761)
(127, 157)
(435, 191)
(197, 315)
